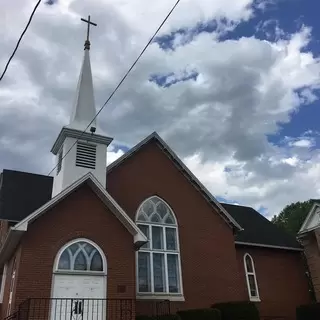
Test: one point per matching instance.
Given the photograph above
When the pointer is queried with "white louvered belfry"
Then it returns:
(86, 155)
(81, 148)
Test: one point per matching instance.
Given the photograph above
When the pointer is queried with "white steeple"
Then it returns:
(84, 107)
(80, 152)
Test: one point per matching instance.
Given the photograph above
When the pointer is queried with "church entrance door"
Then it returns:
(79, 283)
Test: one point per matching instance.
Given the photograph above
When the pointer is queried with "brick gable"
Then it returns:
(81, 214)
(208, 257)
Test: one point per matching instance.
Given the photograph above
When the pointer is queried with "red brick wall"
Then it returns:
(14, 259)
(281, 278)
(312, 252)
(3, 230)
(209, 266)
(82, 214)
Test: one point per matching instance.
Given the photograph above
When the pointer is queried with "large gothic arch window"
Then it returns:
(80, 256)
(158, 261)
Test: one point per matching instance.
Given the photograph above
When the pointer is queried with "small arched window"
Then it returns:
(251, 278)
(158, 261)
(80, 256)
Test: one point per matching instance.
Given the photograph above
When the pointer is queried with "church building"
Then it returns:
(137, 237)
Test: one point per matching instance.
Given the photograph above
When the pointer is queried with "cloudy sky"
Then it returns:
(232, 86)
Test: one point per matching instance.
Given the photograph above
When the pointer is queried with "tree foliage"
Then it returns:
(293, 215)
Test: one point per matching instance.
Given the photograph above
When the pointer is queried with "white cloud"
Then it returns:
(113, 155)
(306, 140)
(245, 88)
(303, 143)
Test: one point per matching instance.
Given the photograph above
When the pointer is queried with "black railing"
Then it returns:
(76, 309)
(153, 308)
(13, 316)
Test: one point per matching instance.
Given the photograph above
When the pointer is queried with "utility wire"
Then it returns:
(18, 43)
(120, 83)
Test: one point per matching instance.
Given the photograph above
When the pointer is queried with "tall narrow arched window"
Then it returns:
(251, 278)
(158, 262)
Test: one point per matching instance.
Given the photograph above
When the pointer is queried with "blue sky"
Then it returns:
(217, 101)
(288, 15)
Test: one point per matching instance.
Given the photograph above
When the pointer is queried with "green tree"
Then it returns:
(293, 215)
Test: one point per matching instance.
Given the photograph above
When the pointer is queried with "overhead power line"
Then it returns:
(18, 43)
(121, 81)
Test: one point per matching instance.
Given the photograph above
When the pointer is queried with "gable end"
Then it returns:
(312, 220)
(185, 171)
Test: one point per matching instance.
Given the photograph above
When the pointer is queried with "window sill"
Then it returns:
(170, 297)
(78, 272)
(255, 299)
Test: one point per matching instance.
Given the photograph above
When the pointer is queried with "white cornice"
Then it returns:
(267, 246)
(106, 198)
(78, 134)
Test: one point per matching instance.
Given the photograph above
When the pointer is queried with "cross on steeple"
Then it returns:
(87, 43)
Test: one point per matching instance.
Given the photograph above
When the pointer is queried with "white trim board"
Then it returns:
(101, 193)
(267, 246)
(15, 233)
(306, 223)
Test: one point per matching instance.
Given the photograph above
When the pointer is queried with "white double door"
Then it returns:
(78, 297)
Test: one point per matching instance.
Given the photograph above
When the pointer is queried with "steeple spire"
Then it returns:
(78, 152)
(84, 109)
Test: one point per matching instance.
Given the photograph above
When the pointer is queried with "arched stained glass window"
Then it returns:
(155, 210)
(80, 256)
(251, 278)
(159, 259)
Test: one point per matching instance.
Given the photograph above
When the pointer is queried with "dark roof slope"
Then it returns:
(21, 193)
(258, 229)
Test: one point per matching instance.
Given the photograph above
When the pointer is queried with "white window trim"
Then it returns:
(160, 295)
(57, 259)
(3, 282)
(257, 297)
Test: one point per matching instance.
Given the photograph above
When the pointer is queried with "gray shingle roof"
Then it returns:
(21, 193)
(258, 229)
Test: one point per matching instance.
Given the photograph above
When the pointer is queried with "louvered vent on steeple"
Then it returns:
(86, 155)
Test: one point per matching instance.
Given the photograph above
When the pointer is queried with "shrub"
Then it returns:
(308, 312)
(143, 318)
(200, 314)
(167, 317)
(239, 310)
